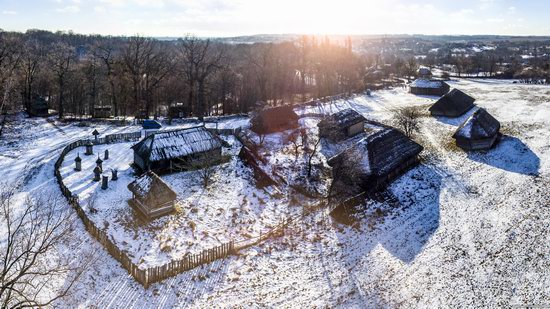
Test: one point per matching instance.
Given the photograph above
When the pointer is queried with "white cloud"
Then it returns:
(9, 13)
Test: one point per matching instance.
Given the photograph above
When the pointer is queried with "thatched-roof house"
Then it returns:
(38, 107)
(275, 119)
(429, 87)
(341, 125)
(163, 149)
(424, 72)
(151, 196)
(452, 104)
(479, 131)
(383, 155)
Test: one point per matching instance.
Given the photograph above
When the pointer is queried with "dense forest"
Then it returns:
(81, 75)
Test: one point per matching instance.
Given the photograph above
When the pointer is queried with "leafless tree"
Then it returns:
(311, 152)
(29, 261)
(407, 119)
(61, 58)
(294, 138)
(31, 61)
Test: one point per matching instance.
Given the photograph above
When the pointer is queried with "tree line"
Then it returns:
(78, 75)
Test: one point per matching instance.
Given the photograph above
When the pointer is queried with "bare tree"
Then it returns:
(311, 152)
(28, 248)
(407, 119)
(61, 57)
(205, 165)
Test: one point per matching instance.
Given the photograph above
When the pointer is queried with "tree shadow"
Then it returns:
(407, 216)
(510, 154)
(456, 121)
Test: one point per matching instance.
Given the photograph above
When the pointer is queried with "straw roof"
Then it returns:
(452, 104)
(343, 119)
(479, 125)
(152, 190)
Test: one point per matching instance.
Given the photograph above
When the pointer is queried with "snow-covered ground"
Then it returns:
(469, 230)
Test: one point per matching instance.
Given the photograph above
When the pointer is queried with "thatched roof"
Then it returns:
(428, 83)
(478, 126)
(381, 152)
(166, 145)
(424, 71)
(453, 104)
(152, 190)
(343, 119)
(274, 119)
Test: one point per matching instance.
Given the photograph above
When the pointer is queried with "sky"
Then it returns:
(223, 18)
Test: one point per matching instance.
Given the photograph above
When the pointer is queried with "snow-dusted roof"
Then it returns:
(479, 125)
(427, 83)
(381, 151)
(166, 145)
(453, 104)
(343, 118)
(152, 190)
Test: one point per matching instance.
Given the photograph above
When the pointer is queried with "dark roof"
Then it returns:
(343, 119)
(429, 83)
(478, 126)
(95, 132)
(385, 149)
(275, 119)
(166, 145)
(454, 104)
(151, 124)
(152, 190)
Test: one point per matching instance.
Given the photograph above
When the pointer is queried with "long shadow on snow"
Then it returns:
(402, 227)
(456, 121)
(510, 154)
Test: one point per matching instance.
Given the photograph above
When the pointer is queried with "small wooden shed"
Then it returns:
(164, 149)
(151, 196)
(452, 104)
(38, 107)
(424, 72)
(480, 131)
(429, 87)
(342, 125)
(274, 119)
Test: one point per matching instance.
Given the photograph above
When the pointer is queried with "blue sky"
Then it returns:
(243, 17)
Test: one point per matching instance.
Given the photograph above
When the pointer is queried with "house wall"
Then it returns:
(139, 162)
(153, 213)
(356, 129)
(478, 144)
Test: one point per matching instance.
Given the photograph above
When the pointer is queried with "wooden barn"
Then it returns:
(424, 72)
(171, 150)
(274, 119)
(38, 107)
(151, 196)
(342, 125)
(374, 161)
(179, 110)
(480, 131)
(429, 87)
(452, 104)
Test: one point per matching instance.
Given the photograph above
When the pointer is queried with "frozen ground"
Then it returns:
(468, 230)
(231, 208)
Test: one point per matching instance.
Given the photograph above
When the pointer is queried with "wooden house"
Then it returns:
(102, 112)
(480, 131)
(374, 161)
(429, 87)
(179, 110)
(452, 104)
(274, 119)
(424, 72)
(151, 196)
(342, 125)
(169, 150)
(38, 107)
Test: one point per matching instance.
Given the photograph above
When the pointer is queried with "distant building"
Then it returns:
(480, 131)
(374, 161)
(166, 150)
(151, 124)
(102, 112)
(429, 87)
(151, 196)
(179, 110)
(275, 119)
(38, 107)
(342, 125)
(452, 104)
(424, 73)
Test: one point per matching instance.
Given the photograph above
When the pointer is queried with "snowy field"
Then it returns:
(231, 208)
(467, 230)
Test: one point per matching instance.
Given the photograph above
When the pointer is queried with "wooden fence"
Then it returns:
(146, 276)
